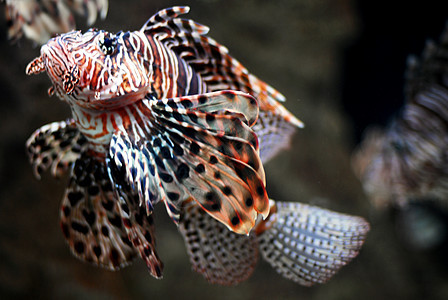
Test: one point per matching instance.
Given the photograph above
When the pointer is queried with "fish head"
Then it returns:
(95, 69)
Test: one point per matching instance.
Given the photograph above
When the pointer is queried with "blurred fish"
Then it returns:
(39, 20)
(409, 159)
(165, 114)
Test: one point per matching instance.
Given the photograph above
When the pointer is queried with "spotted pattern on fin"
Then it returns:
(138, 224)
(178, 153)
(220, 71)
(55, 146)
(308, 244)
(90, 217)
(221, 256)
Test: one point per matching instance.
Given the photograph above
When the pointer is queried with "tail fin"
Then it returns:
(308, 244)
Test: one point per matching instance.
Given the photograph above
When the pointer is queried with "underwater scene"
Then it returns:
(298, 149)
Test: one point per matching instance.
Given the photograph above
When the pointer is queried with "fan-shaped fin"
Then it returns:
(220, 71)
(55, 146)
(208, 156)
(91, 219)
(221, 256)
(308, 244)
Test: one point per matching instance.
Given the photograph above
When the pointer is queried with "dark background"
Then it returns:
(339, 63)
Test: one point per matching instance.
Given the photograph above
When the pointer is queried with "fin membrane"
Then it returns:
(220, 71)
(220, 255)
(308, 244)
(179, 153)
(90, 217)
(55, 146)
(138, 224)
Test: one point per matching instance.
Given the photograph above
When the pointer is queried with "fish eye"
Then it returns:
(108, 43)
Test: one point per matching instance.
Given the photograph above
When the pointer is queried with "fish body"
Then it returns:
(408, 160)
(165, 114)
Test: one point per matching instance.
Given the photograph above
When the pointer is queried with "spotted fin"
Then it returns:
(138, 224)
(55, 146)
(308, 244)
(90, 217)
(220, 71)
(178, 153)
(220, 255)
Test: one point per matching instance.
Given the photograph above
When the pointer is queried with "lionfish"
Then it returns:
(409, 159)
(39, 20)
(165, 114)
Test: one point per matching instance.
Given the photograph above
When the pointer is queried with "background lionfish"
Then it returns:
(165, 114)
(408, 160)
(39, 20)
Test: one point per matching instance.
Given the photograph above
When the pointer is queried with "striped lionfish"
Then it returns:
(408, 160)
(39, 20)
(165, 114)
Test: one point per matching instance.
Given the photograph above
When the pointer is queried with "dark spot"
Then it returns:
(178, 150)
(157, 142)
(235, 221)
(213, 160)
(194, 148)
(202, 99)
(97, 251)
(105, 231)
(231, 96)
(84, 182)
(90, 217)
(183, 172)
(165, 151)
(249, 202)
(74, 197)
(176, 115)
(108, 205)
(139, 219)
(116, 221)
(227, 190)
(199, 168)
(79, 227)
(210, 196)
(127, 241)
(66, 210)
(210, 118)
(166, 177)
(147, 251)
(114, 256)
(172, 104)
(79, 247)
(125, 208)
(217, 175)
(148, 237)
(173, 196)
(260, 190)
(187, 103)
(193, 117)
